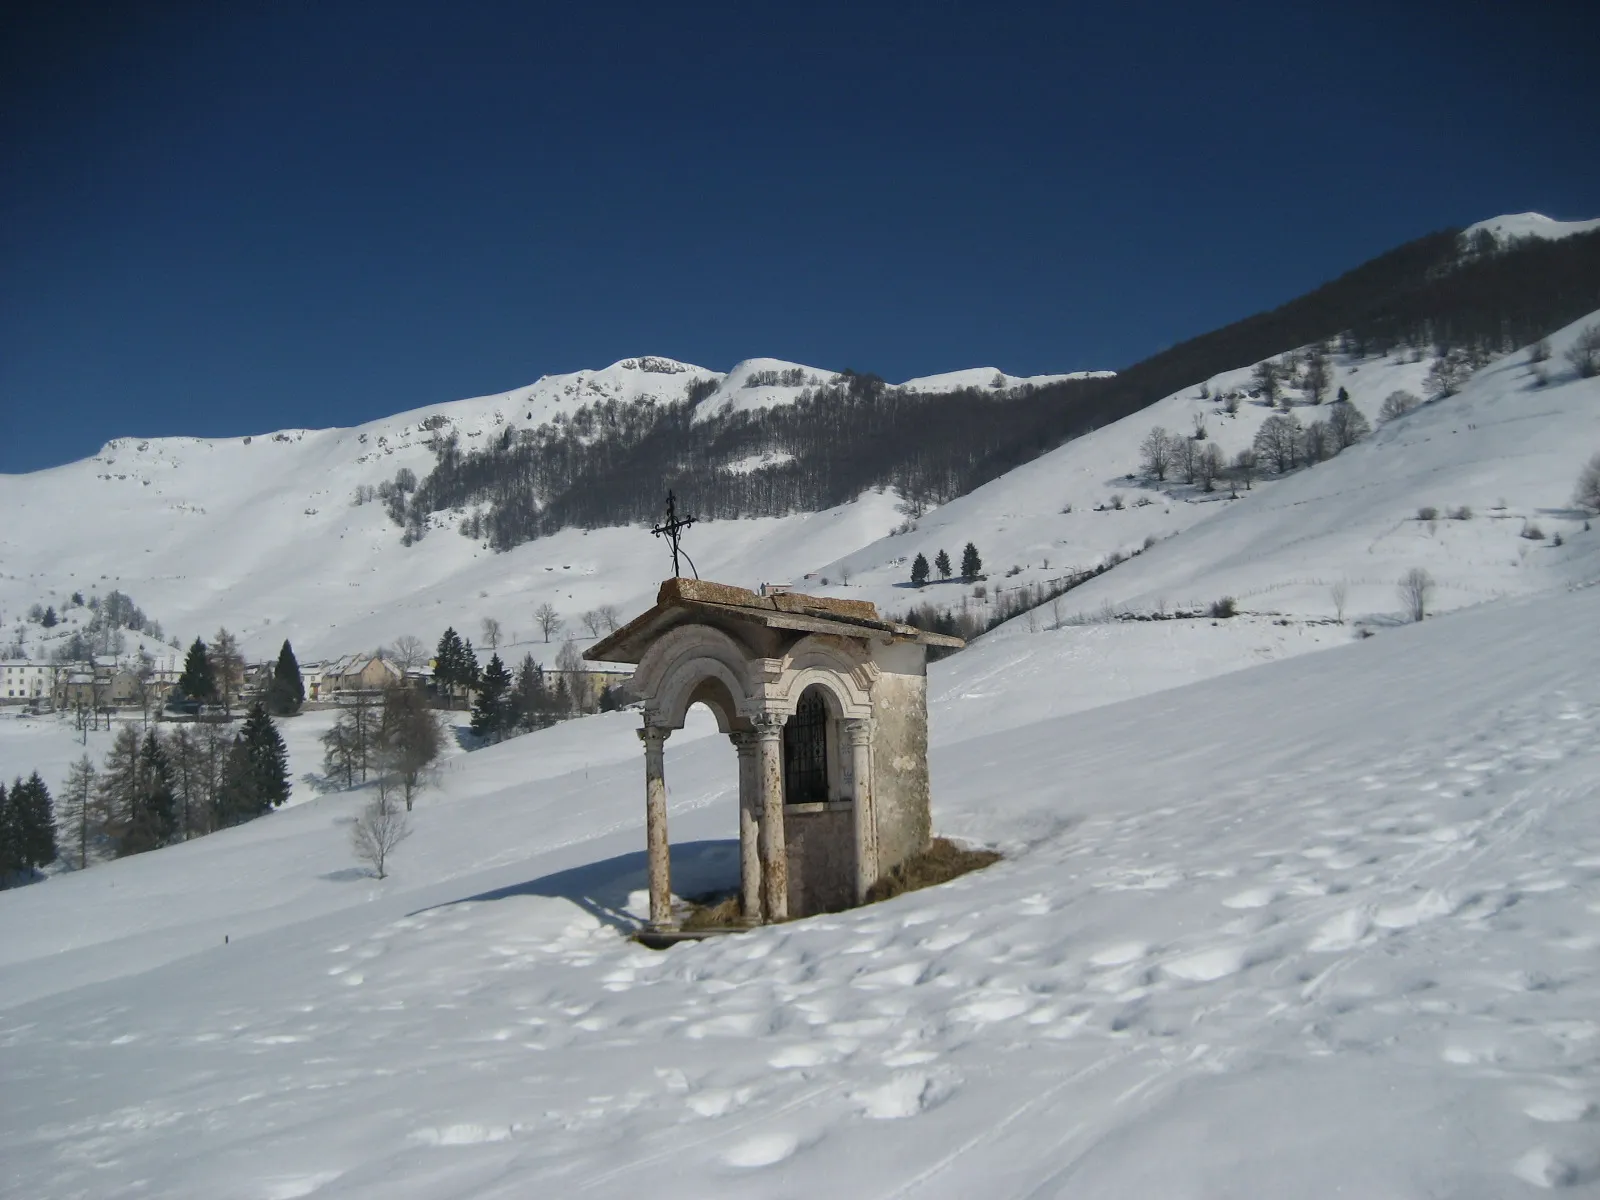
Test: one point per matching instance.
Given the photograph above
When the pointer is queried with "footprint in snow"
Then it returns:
(906, 1095)
(763, 1150)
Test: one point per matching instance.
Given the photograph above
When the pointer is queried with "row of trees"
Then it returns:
(27, 828)
(971, 566)
(152, 790)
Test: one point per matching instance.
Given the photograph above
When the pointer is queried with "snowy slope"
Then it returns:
(1243, 945)
(261, 533)
(1505, 448)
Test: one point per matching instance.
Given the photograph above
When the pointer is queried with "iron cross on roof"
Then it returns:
(672, 528)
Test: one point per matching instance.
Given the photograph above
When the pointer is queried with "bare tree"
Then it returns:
(1416, 591)
(548, 620)
(378, 830)
(612, 620)
(1587, 495)
(491, 633)
(1317, 377)
(408, 652)
(351, 744)
(1186, 455)
(1278, 441)
(1396, 405)
(1265, 377)
(1317, 442)
(1584, 353)
(1208, 464)
(1347, 425)
(409, 738)
(1446, 376)
(592, 622)
(1155, 454)
(1244, 466)
(1340, 592)
(227, 664)
(1540, 351)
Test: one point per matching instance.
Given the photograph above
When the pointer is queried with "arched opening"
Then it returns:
(808, 738)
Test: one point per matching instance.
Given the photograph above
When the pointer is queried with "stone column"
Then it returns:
(748, 747)
(858, 736)
(774, 856)
(659, 852)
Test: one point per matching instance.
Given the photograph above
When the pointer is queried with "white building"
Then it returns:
(23, 682)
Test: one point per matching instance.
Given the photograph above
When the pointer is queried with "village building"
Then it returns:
(24, 682)
(825, 702)
(356, 674)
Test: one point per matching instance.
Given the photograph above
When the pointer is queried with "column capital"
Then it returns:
(768, 723)
(744, 739)
(858, 731)
(653, 735)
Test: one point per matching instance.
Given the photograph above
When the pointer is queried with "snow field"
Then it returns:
(1325, 926)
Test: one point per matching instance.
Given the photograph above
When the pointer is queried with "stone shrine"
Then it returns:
(825, 703)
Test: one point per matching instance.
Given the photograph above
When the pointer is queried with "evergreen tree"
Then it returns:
(256, 777)
(78, 816)
(942, 562)
(198, 681)
(10, 840)
(530, 698)
(154, 819)
(971, 564)
(919, 570)
(49, 618)
(121, 783)
(492, 715)
(287, 692)
(455, 667)
(37, 821)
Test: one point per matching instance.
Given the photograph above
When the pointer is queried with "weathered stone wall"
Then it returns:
(821, 843)
(900, 794)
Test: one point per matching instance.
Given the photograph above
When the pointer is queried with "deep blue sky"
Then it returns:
(228, 218)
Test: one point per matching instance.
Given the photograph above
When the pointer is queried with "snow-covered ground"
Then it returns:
(1327, 927)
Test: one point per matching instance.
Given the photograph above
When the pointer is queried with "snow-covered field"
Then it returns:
(1328, 927)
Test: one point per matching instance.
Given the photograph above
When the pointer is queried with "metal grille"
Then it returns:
(805, 751)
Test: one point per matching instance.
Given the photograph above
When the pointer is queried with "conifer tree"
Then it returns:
(455, 667)
(919, 570)
(256, 777)
(971, 564)
(78, 816)
(287, 692)
(530, 698)
(152, 818)
(10, 840)
(491, 715)
(36, 821)
(942, 562)
(120, 784)
(198, 681)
